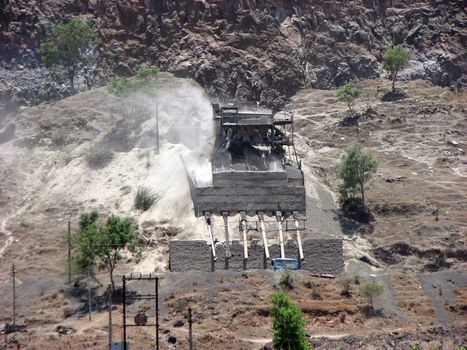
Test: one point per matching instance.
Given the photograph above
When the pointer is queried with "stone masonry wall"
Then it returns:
(321, 256)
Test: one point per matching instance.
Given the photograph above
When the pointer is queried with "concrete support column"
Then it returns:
(225, 215)
(208, 217)
(299, 240)
(245, 242)
(263, 234)
(279, 228)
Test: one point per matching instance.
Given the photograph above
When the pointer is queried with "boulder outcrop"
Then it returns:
(245, 49)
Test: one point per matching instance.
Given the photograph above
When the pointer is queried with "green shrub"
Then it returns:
(98, 157)
(288, 324)
(287, 280)
(146, 73)
(121, 86)
(144, 198)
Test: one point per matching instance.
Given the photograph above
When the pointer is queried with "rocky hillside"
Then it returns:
(249, 49)
(415, 242)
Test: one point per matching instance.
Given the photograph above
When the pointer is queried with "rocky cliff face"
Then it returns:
(248, 49)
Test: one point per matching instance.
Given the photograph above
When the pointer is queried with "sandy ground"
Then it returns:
(418, 141)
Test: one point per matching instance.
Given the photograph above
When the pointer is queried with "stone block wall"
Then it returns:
(321, 256)
(249, 199)
(189, 256)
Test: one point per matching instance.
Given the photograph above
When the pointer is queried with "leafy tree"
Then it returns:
(394, 60)
(70, 45)
(101, 244)
(355, 169)
(288, 324)
(370, 289)
(348, 94)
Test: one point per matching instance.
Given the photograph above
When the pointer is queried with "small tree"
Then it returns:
(394, 60)
(288, 324)
(348, 94)
(355, 169)
(370, 289)
(101, 244)
(70, 45)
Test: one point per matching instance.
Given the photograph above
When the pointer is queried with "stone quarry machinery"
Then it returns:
(252, 176)
(254, 166)
(255, 172)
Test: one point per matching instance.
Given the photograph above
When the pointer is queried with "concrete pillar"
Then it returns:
(225, 215)
(299, 240)
(263, 234)
(245, 242)
(279, 228)
(208, 217)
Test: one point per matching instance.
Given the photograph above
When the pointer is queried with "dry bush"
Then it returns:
(98, 157)
(144, 198)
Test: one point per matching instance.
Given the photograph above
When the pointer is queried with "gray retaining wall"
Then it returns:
(321, 256)
(249, 199)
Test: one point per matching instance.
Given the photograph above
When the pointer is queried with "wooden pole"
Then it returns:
(14, 296)
(157, 313)
(69, 251)
(89, 296)
(190, 329)
(157, 128)
(124, 313)
(109, 290)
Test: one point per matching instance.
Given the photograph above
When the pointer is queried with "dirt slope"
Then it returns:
(419, 142)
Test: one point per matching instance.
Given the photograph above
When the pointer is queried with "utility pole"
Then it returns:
(14, 296)
(157, 312)
(124, 313)
(136, 296)
(89, 296)
(69, 251)
(157, 128)
(109, 290)
(190, 326)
